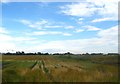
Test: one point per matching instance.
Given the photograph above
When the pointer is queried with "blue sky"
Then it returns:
(77, 27)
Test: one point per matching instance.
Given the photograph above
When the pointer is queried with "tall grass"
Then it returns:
(83, 69)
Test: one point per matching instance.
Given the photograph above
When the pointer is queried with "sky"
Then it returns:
(89, 26)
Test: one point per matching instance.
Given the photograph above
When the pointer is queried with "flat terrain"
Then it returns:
(59, 68)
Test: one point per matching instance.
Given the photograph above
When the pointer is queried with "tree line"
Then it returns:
(67, 53)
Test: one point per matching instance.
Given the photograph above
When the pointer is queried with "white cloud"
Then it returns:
(110, 9)
(22, 39)
(53, 26)
(69, 27)
(102, 19)
(79, 22)
(44, 24)
(111, 33)
(4, 37)
(107, 9)
(6, 42)
(105, 42)
(7, 46)
(10, 43)
(3, 30)
(36, 25)
(26, 22)
(78, 9)
(49, 33)
(79, 30)
(58, 26)
(45, 33)
(80, 19)
(91, 28)
(67, 34)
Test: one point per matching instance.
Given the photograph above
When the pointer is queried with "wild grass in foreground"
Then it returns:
(37, 68)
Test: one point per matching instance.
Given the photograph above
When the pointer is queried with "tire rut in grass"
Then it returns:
(41, 65)
(45, 69)
(34, 66)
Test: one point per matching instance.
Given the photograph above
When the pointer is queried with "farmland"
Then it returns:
(59, 68)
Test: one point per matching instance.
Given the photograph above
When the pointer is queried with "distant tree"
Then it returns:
(46, 54)
(39, 53)
(68, 53)
(96, 53)
(56, 54)
(8, 53)
(86, 53)
(113, 53)
(18, 53)
(22, 52)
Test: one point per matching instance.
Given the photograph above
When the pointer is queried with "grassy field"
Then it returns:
(64, 68)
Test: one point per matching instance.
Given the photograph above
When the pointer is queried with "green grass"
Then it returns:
(60, 69)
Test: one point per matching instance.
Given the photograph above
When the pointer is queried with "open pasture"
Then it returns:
(59, 68)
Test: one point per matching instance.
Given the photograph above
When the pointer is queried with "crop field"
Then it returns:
(59, 68)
